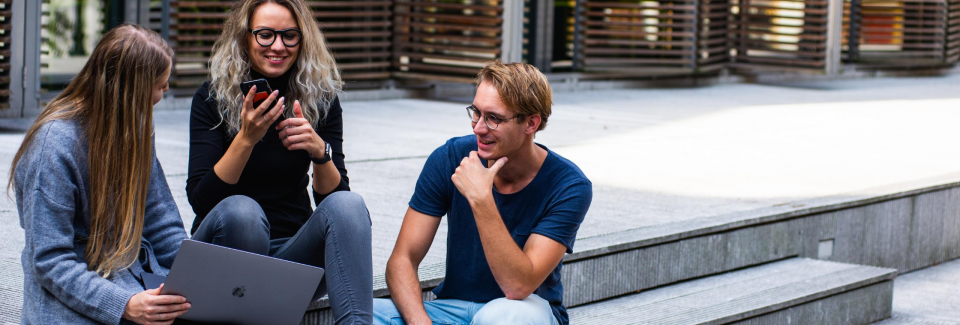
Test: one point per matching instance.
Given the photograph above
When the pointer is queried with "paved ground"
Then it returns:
(927, 297)
(655, 155)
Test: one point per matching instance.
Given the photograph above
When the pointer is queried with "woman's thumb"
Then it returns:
(155, 291)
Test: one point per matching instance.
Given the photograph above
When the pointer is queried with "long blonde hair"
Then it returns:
(315, 80)
(112, 98)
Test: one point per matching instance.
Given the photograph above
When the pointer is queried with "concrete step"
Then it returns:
(903, 319)
(792, 291)
(903, 226)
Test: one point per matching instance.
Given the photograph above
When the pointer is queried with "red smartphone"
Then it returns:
(263, 89)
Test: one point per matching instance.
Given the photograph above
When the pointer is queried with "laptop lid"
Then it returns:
(229, 286)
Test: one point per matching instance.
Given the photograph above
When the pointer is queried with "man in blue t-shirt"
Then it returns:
(508, 225)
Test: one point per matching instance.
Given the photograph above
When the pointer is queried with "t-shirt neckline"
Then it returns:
(536, 177)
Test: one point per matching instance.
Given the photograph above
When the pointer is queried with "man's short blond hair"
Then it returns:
(522, 87)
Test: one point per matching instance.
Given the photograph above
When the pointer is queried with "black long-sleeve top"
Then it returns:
(273, 176)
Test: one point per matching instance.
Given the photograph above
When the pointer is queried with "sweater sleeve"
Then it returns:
(162, 226)
(330, 129)
(49, 206)
(208, 144)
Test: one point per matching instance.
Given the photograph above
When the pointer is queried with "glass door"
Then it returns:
(70, 31)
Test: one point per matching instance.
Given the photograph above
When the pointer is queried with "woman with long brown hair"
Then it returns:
(93, 200)
(250, 164)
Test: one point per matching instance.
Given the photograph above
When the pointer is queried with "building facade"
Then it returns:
(44, 43)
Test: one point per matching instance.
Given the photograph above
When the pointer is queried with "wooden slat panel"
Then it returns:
(898, 33)
(492, 41)
(641, 14)
(632, 43)
(951, 48)
(359, 33)
(355, 55)
(434, 47)
(445, 39)
(778, 62)
(641, 33)
(714, 33)
(448, 70)
(486, 8)
(633, 61)
(486, 21)
(601, 24)
(608, 51)
(5, 50)
(636, 5)
(780, 34)
(631, 35)
(315, 4)
(428, 56)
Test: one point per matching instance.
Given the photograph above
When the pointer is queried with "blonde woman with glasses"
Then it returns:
(251, 157)
(93, 201)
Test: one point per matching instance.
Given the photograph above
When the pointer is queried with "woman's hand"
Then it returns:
(152, 308)
(254, 121)
(298, 134)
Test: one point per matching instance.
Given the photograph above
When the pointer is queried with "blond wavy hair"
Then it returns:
(112, 97)
(315, 80)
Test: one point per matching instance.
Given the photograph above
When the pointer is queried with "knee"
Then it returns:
(530, 311)
(240, 212)
(346, 211)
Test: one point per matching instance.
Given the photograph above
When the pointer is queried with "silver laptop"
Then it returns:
(228, 286)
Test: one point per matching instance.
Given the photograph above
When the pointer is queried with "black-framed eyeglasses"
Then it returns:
(266, 36)
(492, 121)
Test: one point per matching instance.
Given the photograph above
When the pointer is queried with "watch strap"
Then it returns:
(326, 155)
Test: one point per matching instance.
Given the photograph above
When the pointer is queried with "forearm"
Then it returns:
(57, 267)
(512, 269)
(230, 166)
(326, 177)
(405, 291)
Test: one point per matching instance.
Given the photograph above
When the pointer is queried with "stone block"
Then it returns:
(793, 291)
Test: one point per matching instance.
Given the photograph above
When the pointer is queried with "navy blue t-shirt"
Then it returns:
(552, 205)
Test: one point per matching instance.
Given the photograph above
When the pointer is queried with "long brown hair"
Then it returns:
(112, 99)
(315, 80)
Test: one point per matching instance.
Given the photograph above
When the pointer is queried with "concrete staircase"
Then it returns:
(797, 291)
(800, 263)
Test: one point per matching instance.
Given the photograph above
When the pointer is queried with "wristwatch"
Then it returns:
(326, 155)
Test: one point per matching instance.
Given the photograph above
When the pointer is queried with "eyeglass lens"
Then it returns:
(266, 37)
(491, 121)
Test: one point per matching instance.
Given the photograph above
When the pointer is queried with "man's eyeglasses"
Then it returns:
(492, 121)
(266, 36)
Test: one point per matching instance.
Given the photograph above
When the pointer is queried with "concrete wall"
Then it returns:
(905, 230)
(906, 234)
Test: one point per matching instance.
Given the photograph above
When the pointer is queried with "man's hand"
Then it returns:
(474, 181)
(150, 307)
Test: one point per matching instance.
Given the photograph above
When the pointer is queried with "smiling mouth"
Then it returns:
(276, 59)
(485, 142)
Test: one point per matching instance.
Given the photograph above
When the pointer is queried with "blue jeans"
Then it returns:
(336, 238)
(531, 311)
